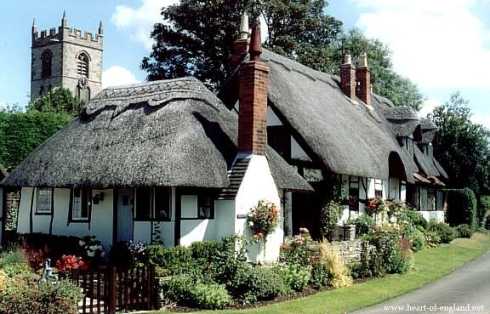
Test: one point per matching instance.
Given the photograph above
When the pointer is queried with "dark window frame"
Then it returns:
(87, 201)
(354, 203)
(51, 200)
(152, 210)
(200, 200)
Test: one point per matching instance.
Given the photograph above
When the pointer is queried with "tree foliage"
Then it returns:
(461, 146)
(196, 37)
(58, 100)
(21, 132)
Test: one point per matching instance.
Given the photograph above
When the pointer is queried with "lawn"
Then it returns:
(430, 265)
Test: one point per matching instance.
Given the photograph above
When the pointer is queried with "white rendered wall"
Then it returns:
(258, 184)
(101, 217)
(143, 232)
(437, 215)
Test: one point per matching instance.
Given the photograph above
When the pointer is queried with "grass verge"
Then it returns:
(430, 265)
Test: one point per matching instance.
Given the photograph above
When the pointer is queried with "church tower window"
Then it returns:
(83, 65)
(46, 60)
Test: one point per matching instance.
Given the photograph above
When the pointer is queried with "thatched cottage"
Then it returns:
(344, 140)
(170, 160)
(162, 160)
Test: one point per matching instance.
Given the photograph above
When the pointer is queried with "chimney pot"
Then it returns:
(256, 42)
(363, 78)
(244, 27)
(348, 77)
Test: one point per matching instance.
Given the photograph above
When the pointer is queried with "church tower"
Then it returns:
(66, 57)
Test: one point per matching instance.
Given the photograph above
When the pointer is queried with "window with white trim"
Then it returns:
(44, 201)
(81, 204)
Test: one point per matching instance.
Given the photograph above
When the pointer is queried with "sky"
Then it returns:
(441, 45)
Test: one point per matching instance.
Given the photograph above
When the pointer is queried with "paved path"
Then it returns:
(455, 293)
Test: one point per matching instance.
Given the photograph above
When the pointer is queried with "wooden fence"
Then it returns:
(111, 289)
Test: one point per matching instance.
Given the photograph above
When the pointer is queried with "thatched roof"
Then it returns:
(403, 120)
(345, 135)
(164, 133)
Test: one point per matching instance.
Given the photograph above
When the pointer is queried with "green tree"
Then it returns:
(386, 82)
(461, 146)
(22, 132)
(196, 37)
(58, 100)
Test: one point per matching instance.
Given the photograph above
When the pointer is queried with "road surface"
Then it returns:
(467, 290)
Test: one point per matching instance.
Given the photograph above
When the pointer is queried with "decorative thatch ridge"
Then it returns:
(165, 133)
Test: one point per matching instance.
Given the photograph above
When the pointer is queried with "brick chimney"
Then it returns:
(363, 78)
(348, 77)
(240, 46)
(252, 117)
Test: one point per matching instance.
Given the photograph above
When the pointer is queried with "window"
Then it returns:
(153, 204)
(354, 193)
(205, 207)
(162, 204)
(44, 201)
(81, 204)
(403, 191)
(83, 65)
(46, 62)
(378, 188)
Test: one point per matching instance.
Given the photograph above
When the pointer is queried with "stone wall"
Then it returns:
(349, 250)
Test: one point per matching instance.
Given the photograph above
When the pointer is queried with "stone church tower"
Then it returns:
(66, 57)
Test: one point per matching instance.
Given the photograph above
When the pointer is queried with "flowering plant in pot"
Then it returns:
(263, 219)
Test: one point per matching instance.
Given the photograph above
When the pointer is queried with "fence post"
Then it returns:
(112, 290)
(149, 278)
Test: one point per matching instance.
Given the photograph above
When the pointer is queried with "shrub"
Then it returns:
(417, 239)
(26, 297)
(210, 296)
(462, 208)
(14, 263)
(187, 291)
(389, 250)
(296, 251)
(170, 261)
(320, 275)
(446, 233)
(412, 218)
(432, 238)
(329, 217)
(296, 277)
(251, 284)
(339, 273)
(363, 224)
(464, 231)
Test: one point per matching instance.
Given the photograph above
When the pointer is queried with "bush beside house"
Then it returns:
(462, 208)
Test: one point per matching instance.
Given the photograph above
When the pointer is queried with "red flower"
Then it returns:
(71, 262)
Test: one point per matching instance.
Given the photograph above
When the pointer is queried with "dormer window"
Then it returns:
(83, 65)
(46, 60)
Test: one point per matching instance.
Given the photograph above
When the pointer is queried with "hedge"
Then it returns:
(462, 207)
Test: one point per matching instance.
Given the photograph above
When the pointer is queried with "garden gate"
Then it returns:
(110, 289)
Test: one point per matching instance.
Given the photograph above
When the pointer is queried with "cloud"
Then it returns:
(483, 119)
(427, 107)
(139, 21)
(437, 44)
(117, 75)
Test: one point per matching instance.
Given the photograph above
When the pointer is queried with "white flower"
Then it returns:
(90, 254)
(251, 223)
(93, 247)
(81, 243)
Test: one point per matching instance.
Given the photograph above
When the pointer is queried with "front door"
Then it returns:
(125, 215)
